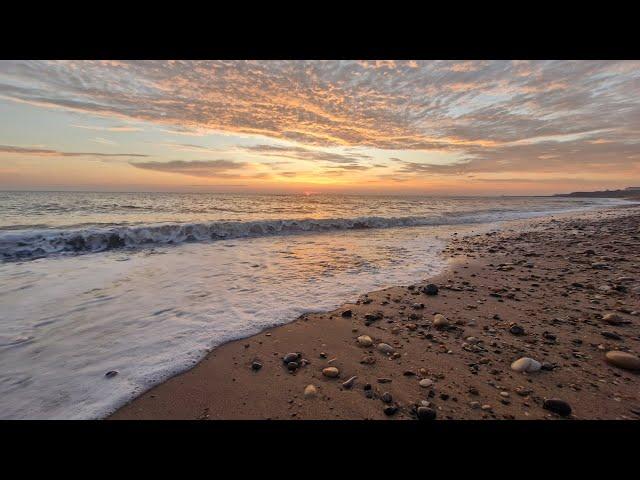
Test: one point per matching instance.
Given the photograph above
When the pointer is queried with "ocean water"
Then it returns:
(147, 283)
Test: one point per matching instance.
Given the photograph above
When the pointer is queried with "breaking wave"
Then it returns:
(37, 243)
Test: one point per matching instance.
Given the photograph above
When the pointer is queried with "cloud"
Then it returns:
(115, 128)
(352, 167)
(200, 168)
(495, 115)
(187, 147)
(578, 155)
(45, 152)
(301, 153)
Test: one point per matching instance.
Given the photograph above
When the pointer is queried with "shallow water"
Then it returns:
(152, 310)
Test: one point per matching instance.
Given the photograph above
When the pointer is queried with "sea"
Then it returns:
(146, 284)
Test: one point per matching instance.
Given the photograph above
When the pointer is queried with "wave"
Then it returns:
(38, 243)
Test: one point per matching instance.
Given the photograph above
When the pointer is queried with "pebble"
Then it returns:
(331, 372)
(526, 364)
(347, 313)
(623, 360)
(425, 383)
(522, 391)
(426, 413)
(516, 330)
(290, 357)
(364, 341)
(612, 318)
(558, 406)
(111, 374)
(291, 366)
(440, 321)
(385, 348)
(386, 397)
(256, 366)
(310, 391)
(372, 317)
(611, 335)
(430, 289)
(390, 410)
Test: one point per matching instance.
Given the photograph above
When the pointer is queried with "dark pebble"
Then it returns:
(611, 335)
(426, 413)
(256, 366)
(290, 357)
(558, 406)
(390, 410)
(430, 289)
(516, 330)
(111, 374)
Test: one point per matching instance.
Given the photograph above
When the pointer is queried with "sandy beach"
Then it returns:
(562, 292)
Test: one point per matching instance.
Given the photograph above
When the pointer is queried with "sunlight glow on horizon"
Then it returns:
(450, 128)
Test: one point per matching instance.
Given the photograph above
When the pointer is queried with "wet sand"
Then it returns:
(543, 292)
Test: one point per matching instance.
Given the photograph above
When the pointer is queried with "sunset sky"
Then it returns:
(415, 127)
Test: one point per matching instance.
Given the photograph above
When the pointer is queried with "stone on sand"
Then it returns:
(331, 372)
(290, 357)
(364, 341)
(558, 406)
(516, 330)
(425, 383)
(623, 360)
(430, 289)
(612, 318)
(385, 348)
(426, 413)
(440, 321)
(526, 364)
(256, 366)
(310, 391)
(390, 410)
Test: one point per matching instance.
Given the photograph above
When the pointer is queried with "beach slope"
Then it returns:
(564, 294)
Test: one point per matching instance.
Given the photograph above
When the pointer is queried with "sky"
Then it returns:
(397, 127)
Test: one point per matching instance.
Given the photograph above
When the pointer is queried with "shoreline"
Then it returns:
(225, 385)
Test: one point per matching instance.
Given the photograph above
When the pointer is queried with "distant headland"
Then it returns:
(629, 192)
